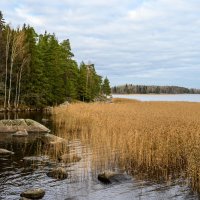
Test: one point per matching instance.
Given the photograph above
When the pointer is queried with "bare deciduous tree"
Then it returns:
(17, 49)
(8, 39)
(25, 61)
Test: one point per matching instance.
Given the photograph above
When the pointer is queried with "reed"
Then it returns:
(151, 140)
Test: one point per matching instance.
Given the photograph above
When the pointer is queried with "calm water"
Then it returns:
(82, 184)
(161, 97)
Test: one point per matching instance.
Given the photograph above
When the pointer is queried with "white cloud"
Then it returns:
(138, 41)
(24, 14)
(145, 12)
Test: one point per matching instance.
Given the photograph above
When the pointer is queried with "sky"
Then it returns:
(150, 42)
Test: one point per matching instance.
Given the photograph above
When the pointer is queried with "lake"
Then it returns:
(16, 175)
(161, 97)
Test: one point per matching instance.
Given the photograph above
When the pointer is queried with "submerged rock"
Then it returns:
(6, 152)
(12, 126)
(34, 193)
(20, 134)
(44, 120)
(67, 158)
(58, 173)
(111, 177)
(52, 139)
(36, 158)
(24, 198)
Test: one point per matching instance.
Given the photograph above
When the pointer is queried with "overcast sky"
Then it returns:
(153, 42)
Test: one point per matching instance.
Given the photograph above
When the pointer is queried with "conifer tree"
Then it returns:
(38, 70)
(106, 87)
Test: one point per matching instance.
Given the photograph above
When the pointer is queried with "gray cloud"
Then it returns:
(134, 41)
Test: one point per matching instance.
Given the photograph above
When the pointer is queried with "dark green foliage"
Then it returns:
(143, 89)
(106, 87)
(89, 82)
(51, 76)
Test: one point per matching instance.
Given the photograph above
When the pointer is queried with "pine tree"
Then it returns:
(106, 87)
(38, 70)
(70, 71)
(34, 83)
(83, 90)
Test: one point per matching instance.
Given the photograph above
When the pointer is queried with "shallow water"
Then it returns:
(161, 97)
(17, 175)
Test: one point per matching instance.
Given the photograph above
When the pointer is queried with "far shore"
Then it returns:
(152, 94)
(161, 97)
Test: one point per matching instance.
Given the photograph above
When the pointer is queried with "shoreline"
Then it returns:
(153, 94)
(161, 97)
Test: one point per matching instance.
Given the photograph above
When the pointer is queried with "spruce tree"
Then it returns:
(44, 72)
(106, 87)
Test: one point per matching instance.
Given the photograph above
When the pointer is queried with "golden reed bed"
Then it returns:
(156, 140)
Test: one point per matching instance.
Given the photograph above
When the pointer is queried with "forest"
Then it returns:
(38, 70)
(143, 89)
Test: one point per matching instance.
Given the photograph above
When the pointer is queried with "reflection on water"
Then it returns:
(17, 175)
(38, 116)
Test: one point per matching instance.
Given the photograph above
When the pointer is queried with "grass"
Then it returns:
(152, 140)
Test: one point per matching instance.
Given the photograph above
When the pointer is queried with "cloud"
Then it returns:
(144, 12)
(24, 14)
(134, 41)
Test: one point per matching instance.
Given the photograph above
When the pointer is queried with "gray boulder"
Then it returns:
(34, 126)
(6, 152)
(36, 159)
(52, 139)
(112, 177)
(20, 134)
(12, 126)
(34, 193)
(44, 120)
(58, 173)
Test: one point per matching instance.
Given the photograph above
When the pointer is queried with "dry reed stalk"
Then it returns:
(159, 140)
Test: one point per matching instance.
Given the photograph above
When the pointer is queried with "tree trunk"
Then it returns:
(7, 55)
(25, 61)
(16, 91)
(10, 82)
(11, 68)
(17, 49)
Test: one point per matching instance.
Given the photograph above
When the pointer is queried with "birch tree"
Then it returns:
(8, 39)
(25, 61)
(17, 49)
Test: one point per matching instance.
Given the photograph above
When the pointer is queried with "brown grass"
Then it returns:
(156, 140)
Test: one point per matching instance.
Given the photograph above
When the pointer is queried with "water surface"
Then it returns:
(17, 175)
(161, 97)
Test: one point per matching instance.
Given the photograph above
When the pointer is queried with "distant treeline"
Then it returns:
(143, 89)
(39, 70)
